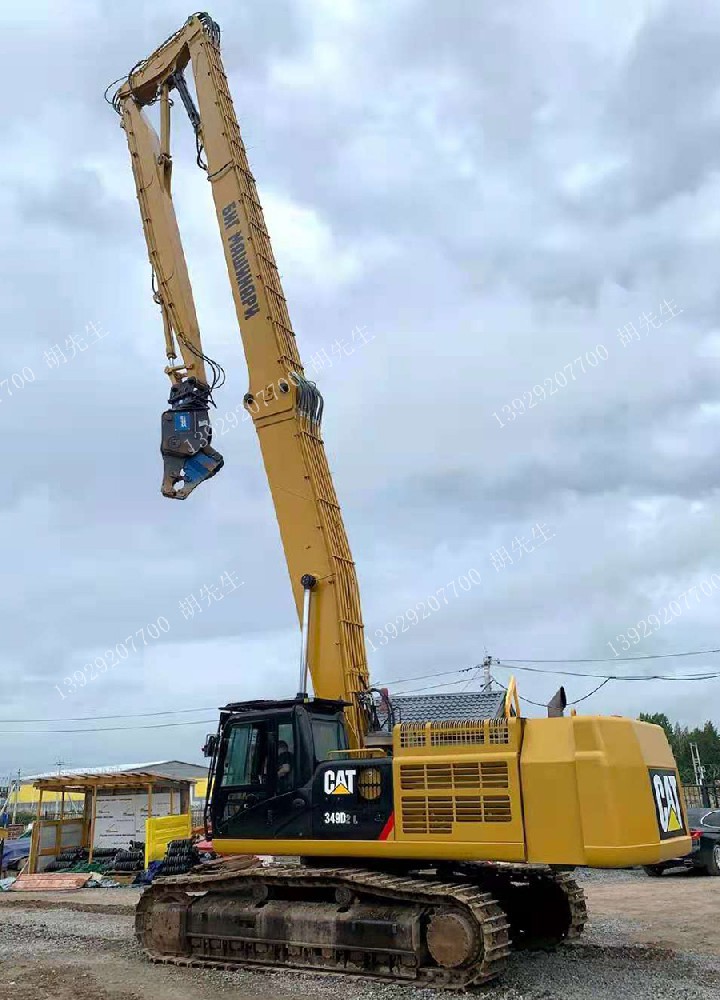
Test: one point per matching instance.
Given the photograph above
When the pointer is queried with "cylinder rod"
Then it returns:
(308, 582)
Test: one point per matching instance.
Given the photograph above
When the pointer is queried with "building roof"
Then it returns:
(174, 770)
(452, 707)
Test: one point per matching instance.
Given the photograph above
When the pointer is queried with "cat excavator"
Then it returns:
(429, 844)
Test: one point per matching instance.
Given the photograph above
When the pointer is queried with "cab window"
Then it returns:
(328, 735)
(246, 757)
(285, 758)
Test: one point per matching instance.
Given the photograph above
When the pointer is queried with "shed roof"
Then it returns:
(176, 769)
(128, 776)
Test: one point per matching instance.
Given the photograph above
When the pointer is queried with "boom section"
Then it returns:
(286, 408)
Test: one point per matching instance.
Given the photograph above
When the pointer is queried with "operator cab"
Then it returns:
(281, 768)
(267, 753)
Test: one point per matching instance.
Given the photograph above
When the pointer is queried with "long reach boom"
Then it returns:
(286, 408)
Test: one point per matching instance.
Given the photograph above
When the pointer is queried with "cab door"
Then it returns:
(256, 791)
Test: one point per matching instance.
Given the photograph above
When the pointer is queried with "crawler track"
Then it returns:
(428, 930)
(544, 907)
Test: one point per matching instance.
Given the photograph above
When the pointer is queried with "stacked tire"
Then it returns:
(66, 859)
(180, 857)
(132, 860)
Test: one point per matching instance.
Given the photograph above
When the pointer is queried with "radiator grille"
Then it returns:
(496, 809)
(480, 732)
(436, 814)
(449, 734)
(431, 815)
(460, 775)
(499, 732)
(412, 735)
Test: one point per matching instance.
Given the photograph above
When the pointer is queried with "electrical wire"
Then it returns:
(470, 679)
(585, 696)
(507, 664)
(520, 696)
(614, 659)
(422, 677)
(542, 705)
(706, 676)
(105, 729)
(134, 715)
(431, 687)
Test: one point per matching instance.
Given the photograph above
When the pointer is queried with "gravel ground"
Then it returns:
(65, 954)
(591, 875)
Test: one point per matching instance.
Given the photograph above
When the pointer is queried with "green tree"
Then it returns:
(680, 737)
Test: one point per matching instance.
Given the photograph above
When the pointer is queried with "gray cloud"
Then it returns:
(490, 191)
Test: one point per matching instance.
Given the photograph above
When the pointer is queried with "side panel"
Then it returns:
(353, 799)
(459, 783)
(601, 791)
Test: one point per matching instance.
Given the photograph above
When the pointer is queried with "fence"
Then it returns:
(703, 796)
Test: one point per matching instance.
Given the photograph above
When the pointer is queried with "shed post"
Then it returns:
(92, 822)
(35, 840)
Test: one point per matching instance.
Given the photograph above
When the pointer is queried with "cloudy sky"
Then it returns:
(514, 202)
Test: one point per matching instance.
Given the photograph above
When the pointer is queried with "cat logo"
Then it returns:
(667, 803)
(340, 782)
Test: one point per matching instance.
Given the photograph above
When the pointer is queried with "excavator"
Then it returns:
(415, 845)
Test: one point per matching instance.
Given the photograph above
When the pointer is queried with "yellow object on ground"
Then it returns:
(159, 832)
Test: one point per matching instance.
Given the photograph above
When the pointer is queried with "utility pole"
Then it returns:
(487, 678)
(699, 770)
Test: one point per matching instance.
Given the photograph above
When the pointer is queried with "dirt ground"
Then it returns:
(679, 912)
(649, 938)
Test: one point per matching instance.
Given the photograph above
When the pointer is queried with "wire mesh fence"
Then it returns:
(703, 796)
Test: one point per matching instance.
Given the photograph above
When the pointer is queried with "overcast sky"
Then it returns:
(489, 192)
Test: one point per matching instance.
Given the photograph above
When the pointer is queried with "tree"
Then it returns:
(680, 737)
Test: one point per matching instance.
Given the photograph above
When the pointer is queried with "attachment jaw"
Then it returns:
(188, 459)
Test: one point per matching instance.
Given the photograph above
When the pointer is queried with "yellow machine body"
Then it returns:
(600, 791)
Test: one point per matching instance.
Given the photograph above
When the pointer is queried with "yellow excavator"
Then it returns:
(429, 842)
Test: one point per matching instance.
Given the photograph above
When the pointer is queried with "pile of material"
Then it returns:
(70, 859)
(132, 860)
(180, 857)
(105, 859)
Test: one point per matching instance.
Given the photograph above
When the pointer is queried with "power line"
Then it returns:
(134, 715)
(707, 676)
(433, 687)
(614, 659)
(105, 729)
(586, 696)
(422, 677)
(507, 663)
(541, 705)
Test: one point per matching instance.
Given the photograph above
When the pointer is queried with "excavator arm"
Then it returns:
(285, 407)
(188, 456)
